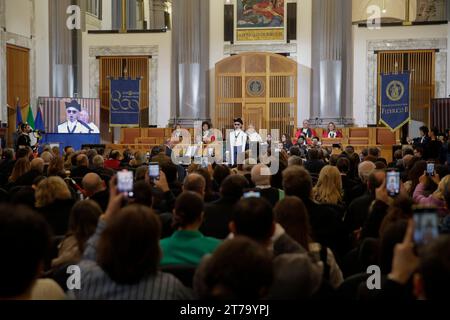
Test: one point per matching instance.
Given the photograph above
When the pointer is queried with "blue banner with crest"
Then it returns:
(395, 100)
(124, 102)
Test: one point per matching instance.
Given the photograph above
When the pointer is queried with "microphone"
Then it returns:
(39, 132)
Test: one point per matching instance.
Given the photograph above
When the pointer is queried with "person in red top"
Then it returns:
(306, 131)
(332, 132)
(208, 135)
(113, 162)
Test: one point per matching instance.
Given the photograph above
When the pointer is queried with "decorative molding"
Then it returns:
(104, 51)
(291, 48)
(403, 44)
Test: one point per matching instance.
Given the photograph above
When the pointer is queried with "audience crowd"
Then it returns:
(308, 232)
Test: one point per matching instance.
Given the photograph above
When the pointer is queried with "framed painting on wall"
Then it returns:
(260, 21)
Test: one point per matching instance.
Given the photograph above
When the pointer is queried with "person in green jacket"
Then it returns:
(187, 245)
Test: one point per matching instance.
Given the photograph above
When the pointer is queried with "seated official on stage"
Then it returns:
(306, 131)
(332, 132)
(207, 132)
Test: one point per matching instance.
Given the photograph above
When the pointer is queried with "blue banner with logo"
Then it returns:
(124, 102)
(395, 100)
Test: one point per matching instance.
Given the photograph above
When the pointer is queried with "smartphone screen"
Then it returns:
(153, 171)
(393, 183)
(252, 194)
(426, 226)
(125, 182)
(430, 169)
(205, 162)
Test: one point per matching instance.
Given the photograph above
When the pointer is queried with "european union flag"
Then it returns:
(18, 114)
(395, 100)
(39, 121)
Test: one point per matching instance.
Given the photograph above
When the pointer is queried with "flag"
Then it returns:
(18, 114)
(395, 100)
(30, 118)
(39, 121)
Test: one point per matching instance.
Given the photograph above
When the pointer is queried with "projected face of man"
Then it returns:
(83, 116)
(72, 114)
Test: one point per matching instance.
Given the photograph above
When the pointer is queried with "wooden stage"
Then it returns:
(144, 139)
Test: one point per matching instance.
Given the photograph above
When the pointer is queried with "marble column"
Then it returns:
(332, 62)
(157, 14)
(190, 62)
(65, 52)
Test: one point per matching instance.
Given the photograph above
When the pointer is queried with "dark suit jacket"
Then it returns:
(80, 172)
(217, 217)
(28, 178)
(314, 166)
(57, 215)
(102, 198)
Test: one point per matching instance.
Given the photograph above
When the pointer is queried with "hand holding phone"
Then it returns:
(430, 169)
(393, 183)
(125, 183)
(426, 226)
(153, 171)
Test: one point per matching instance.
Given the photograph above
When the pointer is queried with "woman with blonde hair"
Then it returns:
(54, 201)
(328, 189)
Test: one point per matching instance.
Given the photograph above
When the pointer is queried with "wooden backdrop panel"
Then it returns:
(276, 103)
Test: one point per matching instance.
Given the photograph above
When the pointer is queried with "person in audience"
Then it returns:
(343, 165)
(91, 153)
(436, 199)
(358, 210)
(295, 161)
(24, 243)
(296, 275)
(328, 189)
(261, 178)
(187, 245)
(54, 201)
(219, 174)
(414, 173)
(6, 165)
(239, 269)
(122, 257)
(292, 215)
(210, 194)
(325, 221)
(36, 170)
(314, 163)
(195, 183)
(95, 189)
(82, 224)
(332, 132)
(218, 213)
(98, 166)
(114, 160)
(47, 157)
(286, 141)
(138, 160)
(21, 167)
(82, 167)
(56, 168)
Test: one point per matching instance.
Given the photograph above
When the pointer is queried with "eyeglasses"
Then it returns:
(237, 124)
(72, 111)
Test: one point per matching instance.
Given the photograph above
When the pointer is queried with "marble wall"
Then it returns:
(403, 44)
(104, 51)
